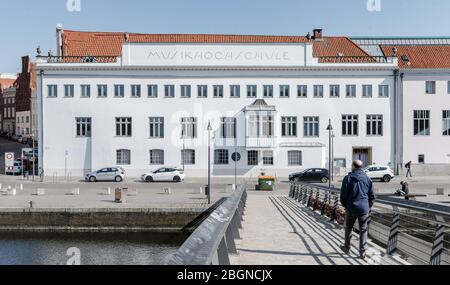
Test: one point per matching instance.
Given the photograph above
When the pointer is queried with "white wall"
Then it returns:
(434, 147)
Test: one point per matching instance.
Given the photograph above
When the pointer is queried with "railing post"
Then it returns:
(305, 195)
(229, 238)
(438, 244)
(325, 202)
(291, 191)
(393, 232)
(335, 207)
(300, 193)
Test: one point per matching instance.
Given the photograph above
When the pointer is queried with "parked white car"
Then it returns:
(164, 174)
(17, 169)
(382, 172)
(116, 174)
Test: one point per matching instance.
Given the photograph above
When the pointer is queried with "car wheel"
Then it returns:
(387, 178)
(118, 179)
(324, 180)
(148, 179)
(177, 179)
(92, 179)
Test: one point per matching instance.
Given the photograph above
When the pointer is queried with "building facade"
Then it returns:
(424, 100)
(145, 101)
(26, 87)
(7, 89)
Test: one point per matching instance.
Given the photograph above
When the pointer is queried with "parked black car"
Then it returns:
(311, 175)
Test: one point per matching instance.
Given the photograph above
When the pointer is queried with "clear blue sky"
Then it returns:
(27, 24)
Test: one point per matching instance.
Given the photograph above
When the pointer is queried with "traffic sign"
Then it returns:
(236, 156)
(9, 159)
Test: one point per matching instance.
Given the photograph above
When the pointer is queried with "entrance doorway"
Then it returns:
(364, 154)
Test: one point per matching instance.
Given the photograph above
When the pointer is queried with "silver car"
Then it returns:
(116, 174)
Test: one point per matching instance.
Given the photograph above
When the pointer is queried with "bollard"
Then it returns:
(440, 191)
(12, 192)
(201, 190)
(40, 192)
(168, 191)
(119, 195)
(108, 191)
(0, 186)
(21, 187)
(76, 192)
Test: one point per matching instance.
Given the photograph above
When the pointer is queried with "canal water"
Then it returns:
(93, 248)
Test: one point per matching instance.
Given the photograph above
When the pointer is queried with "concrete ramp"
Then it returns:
(279, 231)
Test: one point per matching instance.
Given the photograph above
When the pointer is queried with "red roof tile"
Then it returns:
(6, 83)
(421, 56)
(76, 43)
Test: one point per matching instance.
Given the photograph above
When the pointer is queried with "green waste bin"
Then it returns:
(266, 183)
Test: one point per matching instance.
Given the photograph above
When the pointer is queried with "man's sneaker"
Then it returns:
(345, 249)
(362, 255)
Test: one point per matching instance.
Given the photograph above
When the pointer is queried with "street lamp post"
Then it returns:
(184, 148)
(209, 161)
(332, 155)
(330, 130)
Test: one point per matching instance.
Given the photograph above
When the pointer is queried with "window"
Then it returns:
(189, 127)
(85, 91)
(221, 157)
(350, 90)
(218, 91)
(169, 91)
(123, 127)
(318, 91)
(421, 159)
(52, 91)
(102, 91)
(123, 157)
(294, 158)
(69, 91)
(251, 91)
(156, 127)
(268, 91)
(252, 157)
(136, 91)
(185, 91)
(156, 157)
(335, 91)
(152, 91)
(310, 127)
(202, 91)
(284, 91)
(374, 125)
(267, 125)
(289, 126)
(235, 91)
(188, 157)
(367, 90)
(228, 128)
(119, 91)
(27, 119)
(383, 90)
(83, 127)
(268, 157)
(422, 123)
(302, 91)
(349, 125)
(430, 87)
(446, 122)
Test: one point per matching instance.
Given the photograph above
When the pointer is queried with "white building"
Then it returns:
(129, 99)
(423, 101)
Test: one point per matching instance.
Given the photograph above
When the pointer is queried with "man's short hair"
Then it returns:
(357, 164)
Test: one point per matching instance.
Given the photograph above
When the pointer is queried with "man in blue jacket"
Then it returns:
(357, 197)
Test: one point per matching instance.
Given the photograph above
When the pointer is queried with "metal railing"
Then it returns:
(417, 231)
(78, 59)
(213, 241)
(356, 59)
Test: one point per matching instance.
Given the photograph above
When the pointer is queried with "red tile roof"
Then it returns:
(421, 56)
(76, 43)
(6, 83)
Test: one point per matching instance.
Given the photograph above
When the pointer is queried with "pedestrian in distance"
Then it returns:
(408, 169)
(404, 190)
(357, 197)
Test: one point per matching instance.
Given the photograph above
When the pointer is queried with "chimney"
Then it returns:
(317, 34)
(59, 43)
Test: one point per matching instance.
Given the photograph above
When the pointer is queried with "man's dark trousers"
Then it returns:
(350, 220)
